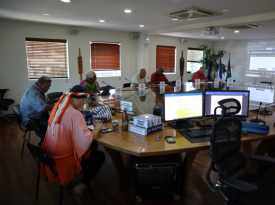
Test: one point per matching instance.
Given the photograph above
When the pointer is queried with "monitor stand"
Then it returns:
(180, 124)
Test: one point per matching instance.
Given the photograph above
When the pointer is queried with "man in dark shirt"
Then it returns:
(35, 101)
(199, 75)
(158, 76)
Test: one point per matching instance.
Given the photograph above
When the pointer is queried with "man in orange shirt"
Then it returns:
(199, 75)
(67, 143)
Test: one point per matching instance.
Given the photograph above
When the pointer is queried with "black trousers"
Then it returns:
(91, 165)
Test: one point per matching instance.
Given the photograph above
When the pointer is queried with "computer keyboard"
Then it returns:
(200, 132)
(204, 124)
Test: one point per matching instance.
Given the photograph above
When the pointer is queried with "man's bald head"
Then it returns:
(160, 70)
(142, 73)
(201, 71)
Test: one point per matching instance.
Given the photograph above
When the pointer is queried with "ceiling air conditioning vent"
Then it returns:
(192, 13)
(245, 26)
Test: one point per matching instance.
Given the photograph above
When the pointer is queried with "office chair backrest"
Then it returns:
(42, 127)
(2, 92)
(55, 95)
(17, 113)
(126, 85)
(39, 154)
(225, 142)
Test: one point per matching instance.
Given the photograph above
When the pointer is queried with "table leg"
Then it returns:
(119, 166)
(186, 167)
(247, 152)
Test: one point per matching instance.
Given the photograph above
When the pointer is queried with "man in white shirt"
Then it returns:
(139, 78)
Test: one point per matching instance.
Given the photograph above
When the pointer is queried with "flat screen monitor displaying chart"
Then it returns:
(213, 97)
(182, 106)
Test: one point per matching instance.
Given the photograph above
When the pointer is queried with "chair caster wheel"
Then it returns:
(177, 197)
(139, 199)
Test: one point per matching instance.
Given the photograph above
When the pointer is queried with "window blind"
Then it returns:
(194, 54)
(46, 57)
(105, 56)
(165, 57)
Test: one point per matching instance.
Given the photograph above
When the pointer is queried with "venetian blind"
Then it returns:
(166, 58)
(46, 57)
(194, 54)
(105, 56)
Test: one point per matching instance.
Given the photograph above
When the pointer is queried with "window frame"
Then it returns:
(157, 57)
(198, 49)
(110, 72)
(47, 40)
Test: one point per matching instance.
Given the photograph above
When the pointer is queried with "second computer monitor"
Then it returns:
(213, 97)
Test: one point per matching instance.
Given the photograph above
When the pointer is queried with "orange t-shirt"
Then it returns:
(65, 149)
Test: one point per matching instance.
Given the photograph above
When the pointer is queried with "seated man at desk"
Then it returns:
(35, 101)
(199, 75)
(158, 76)
(67, 143)
(139, 78)
(90, 84)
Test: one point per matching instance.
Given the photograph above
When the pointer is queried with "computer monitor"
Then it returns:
(213, 97)
(180, 107)
(264, 95)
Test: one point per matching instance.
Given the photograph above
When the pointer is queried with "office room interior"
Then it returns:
(25, 19)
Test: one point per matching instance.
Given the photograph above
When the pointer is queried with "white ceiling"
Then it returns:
(87, 13)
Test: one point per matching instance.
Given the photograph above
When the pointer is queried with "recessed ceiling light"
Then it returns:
(141, 25)
(127, 11)
(66, 1)
(101, 21)
(174, 19)
(225, 10)
(236, 31)
(46, 14)
(222, 37)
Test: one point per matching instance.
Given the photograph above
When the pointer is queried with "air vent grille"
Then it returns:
(245, 26)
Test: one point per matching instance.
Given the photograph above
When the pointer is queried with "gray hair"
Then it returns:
(90, 74)
(44, 79)
(142, 70)
(202, 68)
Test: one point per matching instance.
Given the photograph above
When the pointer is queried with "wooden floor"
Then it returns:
(18, 179)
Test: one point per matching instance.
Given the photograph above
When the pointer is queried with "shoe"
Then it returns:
(78, 197)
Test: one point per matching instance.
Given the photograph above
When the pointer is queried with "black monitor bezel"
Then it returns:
(197, 117)
(227, 91)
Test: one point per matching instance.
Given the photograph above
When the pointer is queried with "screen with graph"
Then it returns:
(180, 106)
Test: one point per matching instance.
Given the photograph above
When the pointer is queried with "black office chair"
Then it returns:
(41, 129)
(126, 85)
(4, 104)
(17, 113)
(55, 95)
(226, 159)
(41, 157)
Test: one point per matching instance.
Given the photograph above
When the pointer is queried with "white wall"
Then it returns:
(238, 58)
(13, 70)
(171, 41)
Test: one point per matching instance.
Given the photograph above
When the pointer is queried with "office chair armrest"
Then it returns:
(264, 163)
(238, 185)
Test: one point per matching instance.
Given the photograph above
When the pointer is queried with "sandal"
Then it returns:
(77, 196)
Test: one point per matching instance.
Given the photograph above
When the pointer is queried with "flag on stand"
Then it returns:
(209, 70)
(220, 69)
(228, 69)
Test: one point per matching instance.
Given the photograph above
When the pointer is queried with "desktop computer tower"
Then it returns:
(157, 175)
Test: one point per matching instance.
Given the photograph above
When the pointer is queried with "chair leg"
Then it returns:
(90, 190)
(23, 146)
(61, 195)
(38, 180)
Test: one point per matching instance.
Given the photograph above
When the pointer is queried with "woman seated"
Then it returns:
(90, 84)
(67, 143)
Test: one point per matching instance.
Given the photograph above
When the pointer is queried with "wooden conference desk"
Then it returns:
(138, 145)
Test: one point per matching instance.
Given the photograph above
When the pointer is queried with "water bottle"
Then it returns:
(124, 120)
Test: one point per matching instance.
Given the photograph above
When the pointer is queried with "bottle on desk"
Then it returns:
(124, 120)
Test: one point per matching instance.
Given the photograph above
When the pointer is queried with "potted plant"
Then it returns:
(210, 57)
